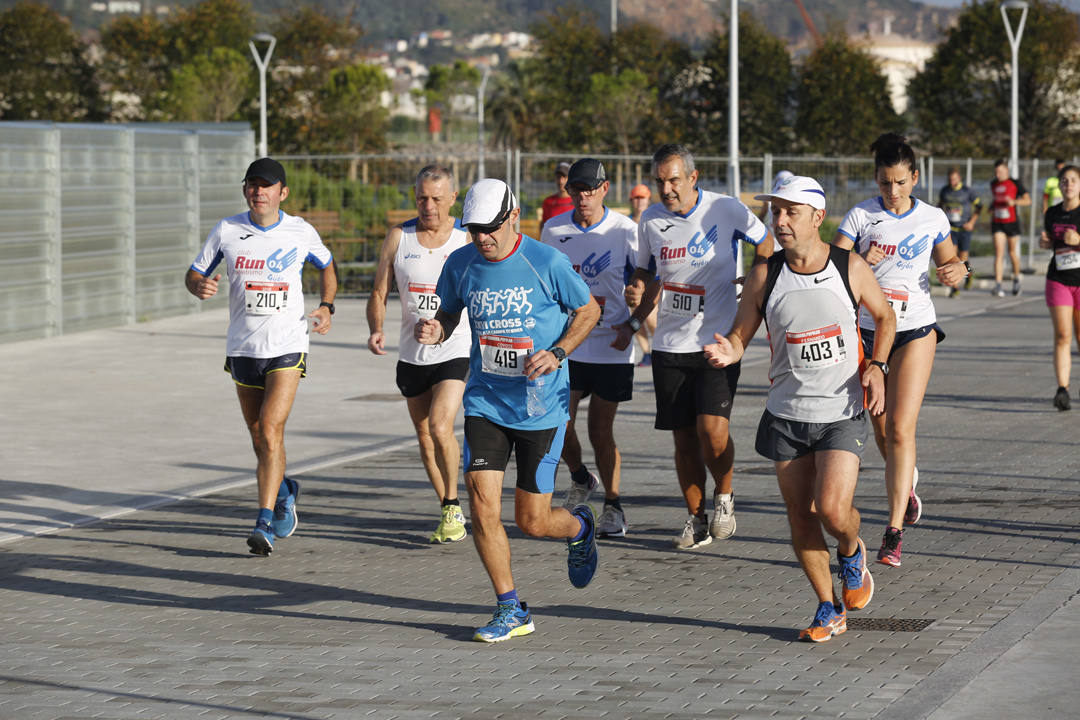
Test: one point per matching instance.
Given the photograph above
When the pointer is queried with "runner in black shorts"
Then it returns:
(432, 379)
(687, 386)
(1009, 194)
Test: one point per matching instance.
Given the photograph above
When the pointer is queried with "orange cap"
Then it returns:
(641, 191)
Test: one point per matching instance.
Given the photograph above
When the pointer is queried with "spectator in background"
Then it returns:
(560, 201)
(962, 206)
(640, 197)
(1051, 190)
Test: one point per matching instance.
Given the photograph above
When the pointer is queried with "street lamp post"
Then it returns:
(262, 63)
(1014, 43)
(733, 116)
(480, 173)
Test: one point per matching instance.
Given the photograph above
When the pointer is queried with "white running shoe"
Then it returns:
(612, 523)
(578, 494)
(722, 525)
(694, 534)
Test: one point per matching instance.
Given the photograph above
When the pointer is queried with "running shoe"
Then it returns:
(722, 525)
(969, 281)
(914, 504)
(578, 494)
(510, 620)
(582, 556)
(261, 539)
(285, 522)
(1061, 399)
(612, 523)
(451, 527)
(953, 292)
(998, 291)
(828, 621)
(646, 360)
(856, 578)
(889, 553)
(1016, 289)
(694, 534)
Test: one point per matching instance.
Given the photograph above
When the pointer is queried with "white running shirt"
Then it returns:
(908, 241)
(417, 270)
(601, 254)
(264, 265)
(695, 258)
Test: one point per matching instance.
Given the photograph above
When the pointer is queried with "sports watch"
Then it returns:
(884, 366)
(558, 352)
(328, 306)
(634, 323)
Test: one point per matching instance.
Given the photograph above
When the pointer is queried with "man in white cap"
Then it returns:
(264, 250)
(528, 310)
(692, 234)
(814, 426)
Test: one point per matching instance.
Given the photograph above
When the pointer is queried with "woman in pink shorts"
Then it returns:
(1060, 232)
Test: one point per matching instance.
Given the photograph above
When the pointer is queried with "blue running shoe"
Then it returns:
(285, 522)
(510, 620)
(583, 557)
(828, 621)
(261, 539)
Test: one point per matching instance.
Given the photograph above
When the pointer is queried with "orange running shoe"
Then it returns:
(856, 578)
(828, 621)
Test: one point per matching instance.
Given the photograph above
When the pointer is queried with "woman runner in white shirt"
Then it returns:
(898, 235)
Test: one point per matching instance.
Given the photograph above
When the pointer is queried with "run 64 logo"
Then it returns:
(278, 264)
(593, 265)
(701, 244)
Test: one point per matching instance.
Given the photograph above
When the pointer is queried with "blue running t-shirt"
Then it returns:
(516, 306)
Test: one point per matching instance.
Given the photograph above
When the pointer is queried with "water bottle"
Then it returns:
(534, 396)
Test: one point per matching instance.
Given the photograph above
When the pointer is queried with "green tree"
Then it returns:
(354, 118)
(310, 45)
(842, 100)
(210, 88)
(136, 66)
(620, 106)
(961, 101)
(45, 74)
(444, 83)
(766, 87)
(511, 106)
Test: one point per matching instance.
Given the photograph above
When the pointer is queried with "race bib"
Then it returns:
(685, 301)
(423, 302)
(955, 215)
(1002, 213)
(265, 298)
(1067, 259)
(505, 356)
(816, 349)
(898, 299)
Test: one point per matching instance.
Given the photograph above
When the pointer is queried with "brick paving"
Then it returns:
(161, 613)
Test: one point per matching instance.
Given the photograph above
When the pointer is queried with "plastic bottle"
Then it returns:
(534, 396)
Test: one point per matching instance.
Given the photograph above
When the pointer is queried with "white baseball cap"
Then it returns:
(488, 204)
(798, 189)
(781, 177)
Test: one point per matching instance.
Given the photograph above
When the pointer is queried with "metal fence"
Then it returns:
(98, 222)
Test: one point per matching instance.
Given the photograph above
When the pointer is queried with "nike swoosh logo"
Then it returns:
(818, 281)
(665, 229)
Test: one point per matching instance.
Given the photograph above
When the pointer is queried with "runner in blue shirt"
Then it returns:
(528, 310)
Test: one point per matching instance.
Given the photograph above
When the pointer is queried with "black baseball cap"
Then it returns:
(266, 169)
(587, 172)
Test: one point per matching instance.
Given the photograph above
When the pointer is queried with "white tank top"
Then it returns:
(417, 270)
(813, 331)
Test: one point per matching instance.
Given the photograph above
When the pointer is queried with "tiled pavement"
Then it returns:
(161, 613)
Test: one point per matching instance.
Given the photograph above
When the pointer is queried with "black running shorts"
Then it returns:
(413, 380)
(252, 372)
(488, 446)
(687, 386)
(613, 382)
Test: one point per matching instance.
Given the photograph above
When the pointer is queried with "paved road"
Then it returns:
(159, 612)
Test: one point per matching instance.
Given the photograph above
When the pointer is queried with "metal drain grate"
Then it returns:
(889, 624)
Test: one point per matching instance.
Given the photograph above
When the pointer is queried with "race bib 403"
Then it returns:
(814, 349)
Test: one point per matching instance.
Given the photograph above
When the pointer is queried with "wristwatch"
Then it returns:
(968, 266)
(558, 352)
(634, 323)
(884, 366)
(328, 306)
